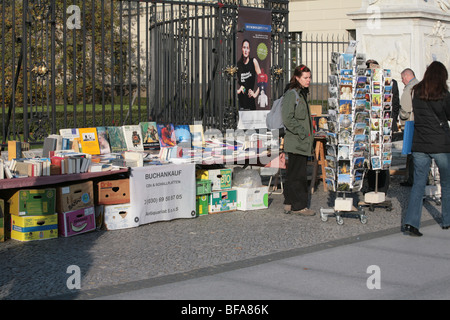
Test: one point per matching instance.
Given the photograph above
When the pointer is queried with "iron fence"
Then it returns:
(88, 63)
(315, 52)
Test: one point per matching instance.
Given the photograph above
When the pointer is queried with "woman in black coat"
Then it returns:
(431, 140)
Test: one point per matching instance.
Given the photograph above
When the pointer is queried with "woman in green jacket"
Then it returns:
(298, 141)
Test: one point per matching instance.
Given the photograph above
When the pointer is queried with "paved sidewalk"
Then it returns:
(385, 265)
(162, 255)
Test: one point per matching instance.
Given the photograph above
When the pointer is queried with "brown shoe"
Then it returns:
(287, 208)
(304, 212)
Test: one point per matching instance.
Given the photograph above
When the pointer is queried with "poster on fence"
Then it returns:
(162, 193)
(253, 55)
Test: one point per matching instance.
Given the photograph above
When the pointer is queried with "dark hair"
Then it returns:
(242, 44)
(434, 83)
(369, 62)
(298, 71)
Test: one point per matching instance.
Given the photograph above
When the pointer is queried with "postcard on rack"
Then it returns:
(345, 136)
(346, 92)
(344, 167)
(343, 183)
(331, 138)
(359, 128)
(332, 103)
(331, 150)
(376, 162)
(330, 184)
(386, 164)
(343, 152)
(375, 150)
(358, 163)
(330, 172)
(330, 161)
(345, 107)
(346, 60)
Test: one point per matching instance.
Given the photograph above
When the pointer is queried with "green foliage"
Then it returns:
(86, 60)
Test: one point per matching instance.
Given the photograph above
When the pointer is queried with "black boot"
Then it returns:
(412, 231)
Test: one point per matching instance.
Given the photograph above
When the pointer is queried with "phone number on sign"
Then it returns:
(163, 199)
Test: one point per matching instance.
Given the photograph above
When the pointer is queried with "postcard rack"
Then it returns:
(359, 129)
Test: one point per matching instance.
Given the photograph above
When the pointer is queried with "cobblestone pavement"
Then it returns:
(163, 251)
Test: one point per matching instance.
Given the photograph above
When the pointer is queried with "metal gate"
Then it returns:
(85, 63)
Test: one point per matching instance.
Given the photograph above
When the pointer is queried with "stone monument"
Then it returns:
(404, 33)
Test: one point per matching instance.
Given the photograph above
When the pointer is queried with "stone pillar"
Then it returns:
(404, 33)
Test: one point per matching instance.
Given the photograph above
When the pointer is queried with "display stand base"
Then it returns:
(374, 197)
(343, 208)
(342, 204)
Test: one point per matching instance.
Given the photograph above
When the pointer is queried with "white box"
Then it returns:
(119, 216)
(252, 198)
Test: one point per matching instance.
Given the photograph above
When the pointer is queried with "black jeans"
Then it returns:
(296, 185)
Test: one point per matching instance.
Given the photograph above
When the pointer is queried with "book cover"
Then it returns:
(89, 140)
(116, 139)
(198, 139)
(49, 145)
(183, 136)
(103, 140)
(149, 135)
(166, 133)
(14, 150)
(133, 137)
(69, 133)
(58, 138)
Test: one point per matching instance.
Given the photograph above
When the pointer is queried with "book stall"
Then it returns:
(111, 178)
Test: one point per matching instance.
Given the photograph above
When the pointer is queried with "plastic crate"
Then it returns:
(203, 187)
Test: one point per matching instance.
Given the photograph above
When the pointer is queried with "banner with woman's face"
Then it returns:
(253, 56)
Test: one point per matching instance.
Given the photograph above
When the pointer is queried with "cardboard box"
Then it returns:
(114, 192)
(75, 196)
(223, 201)
(30, 228)
(202, 203)
(252, 198)
(221, 179)
(33, 202)
(2, 220)
(76, 222)
(118, 216)
(316, 109)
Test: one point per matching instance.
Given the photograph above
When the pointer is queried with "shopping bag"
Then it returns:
(408, 134)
